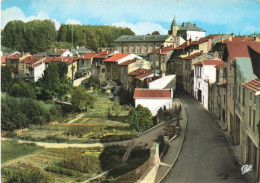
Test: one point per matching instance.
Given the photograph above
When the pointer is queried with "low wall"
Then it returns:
(150, 173)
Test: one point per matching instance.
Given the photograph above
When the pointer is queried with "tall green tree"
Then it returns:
(22, 89)
(140, 118)
(6, 79)
(81, 99)
(54, 83)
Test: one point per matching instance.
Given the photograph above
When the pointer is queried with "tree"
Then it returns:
(140, 118)
(22, 89)
(81, 99)
(6, 79)
(156, 33)
(54, 82)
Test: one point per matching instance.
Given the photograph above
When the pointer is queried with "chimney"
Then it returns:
(221, 39)
(230, 37)
(55, 50)
(254, 36)
(160, 50)
(107, 52)
(209, 44)
(188, 42)
(215, 55)
(171, 92)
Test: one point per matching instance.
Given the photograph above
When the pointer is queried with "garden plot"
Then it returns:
(71, 164)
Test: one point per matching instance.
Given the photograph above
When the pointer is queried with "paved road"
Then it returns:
(205, 157)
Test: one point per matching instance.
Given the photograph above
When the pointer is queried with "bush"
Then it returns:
(21, 112)
(27, 175)
(63, 171)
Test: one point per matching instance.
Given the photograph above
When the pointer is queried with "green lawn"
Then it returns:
(11, 150)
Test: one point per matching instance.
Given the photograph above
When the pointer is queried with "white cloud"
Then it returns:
(73, 21)
(142, 28)
(15, 13)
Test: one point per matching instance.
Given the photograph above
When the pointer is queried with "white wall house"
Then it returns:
(166, 82)
(66, 53)
(195, 35)
(153, 99)
(204, 76)
(38, 70)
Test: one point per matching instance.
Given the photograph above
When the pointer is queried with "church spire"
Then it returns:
(174, 23)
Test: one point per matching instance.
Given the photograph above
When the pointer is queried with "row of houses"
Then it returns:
(222, 72)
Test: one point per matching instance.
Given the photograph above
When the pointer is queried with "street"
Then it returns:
(205, 156)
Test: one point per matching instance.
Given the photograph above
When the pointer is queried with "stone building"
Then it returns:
(144, 44)
(12, 61)
(160, 57)
(204, 77)
(251, 97)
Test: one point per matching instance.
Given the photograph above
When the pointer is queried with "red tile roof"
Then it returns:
(150, 93)
(35, 65)
(238, 39)
(253, 85)
(204, 39)
(88, 55)
(212, 62)
(182, 46)
(146, 73)
(240, 49)
(198, 63)
(192, 56)
(116, 57)
(128, 62)
(221, 66)
(31, 60)
(63, 50)
(15, 56)
(138, 71)
(103, 54)
(164, 50)
(68, 60)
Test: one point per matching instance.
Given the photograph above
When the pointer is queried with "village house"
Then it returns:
(98, 68)
(84, 64)
(176, 64)
(160, 57)
(12, 61)
(153, 99)
(165, 82)
(204, 76)
(251, 98)
(111, 64)
(235, 49)
(189, 31)
(79, 51)
(142, 45)
(218, 91)
(60, 53)
(32, 67)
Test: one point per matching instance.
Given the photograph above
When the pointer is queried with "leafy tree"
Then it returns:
(6, 79)
(81, 99)
(156, 33)
(54, 82)
(140, 118)
(22, 89)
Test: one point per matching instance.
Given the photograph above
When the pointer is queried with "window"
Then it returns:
(224, 98)
(254, 99)
(251, 97)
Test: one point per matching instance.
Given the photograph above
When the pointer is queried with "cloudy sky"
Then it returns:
(142, 16)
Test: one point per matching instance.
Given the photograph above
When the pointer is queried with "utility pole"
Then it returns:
(72, 36)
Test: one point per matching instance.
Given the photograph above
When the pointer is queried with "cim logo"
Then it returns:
(246, 168)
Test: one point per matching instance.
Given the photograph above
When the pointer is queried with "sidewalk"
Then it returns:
(171, 156)
(235, 150)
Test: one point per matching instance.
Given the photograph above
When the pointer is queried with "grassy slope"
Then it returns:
(11, 150)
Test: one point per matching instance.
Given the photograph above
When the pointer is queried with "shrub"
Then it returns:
(63, 171)
(26, 175)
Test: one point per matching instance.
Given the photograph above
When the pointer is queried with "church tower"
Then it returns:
(174, 28)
